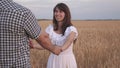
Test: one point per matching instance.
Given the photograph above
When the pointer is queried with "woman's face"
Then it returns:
(59, 15)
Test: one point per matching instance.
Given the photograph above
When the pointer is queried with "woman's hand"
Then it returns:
(62, 48)
(57, 50)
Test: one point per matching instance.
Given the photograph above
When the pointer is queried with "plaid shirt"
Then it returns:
(17, 25)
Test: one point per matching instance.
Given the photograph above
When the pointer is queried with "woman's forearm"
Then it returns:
(68, 41)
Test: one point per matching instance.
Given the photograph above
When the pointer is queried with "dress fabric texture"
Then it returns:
(65, 59)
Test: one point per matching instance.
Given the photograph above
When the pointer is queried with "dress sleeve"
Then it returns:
(48, 29)
(72, 28)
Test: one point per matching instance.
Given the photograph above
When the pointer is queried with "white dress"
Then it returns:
(65, 59)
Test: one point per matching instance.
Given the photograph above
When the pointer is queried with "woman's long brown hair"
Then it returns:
(67, 20)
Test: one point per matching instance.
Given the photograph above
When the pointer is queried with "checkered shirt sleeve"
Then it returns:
(31, 27)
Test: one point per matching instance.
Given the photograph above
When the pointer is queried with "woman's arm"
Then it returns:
(69, 40)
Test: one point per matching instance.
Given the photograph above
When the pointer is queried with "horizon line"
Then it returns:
(84, 19)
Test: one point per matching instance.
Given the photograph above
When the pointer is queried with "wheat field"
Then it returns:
(97, 46)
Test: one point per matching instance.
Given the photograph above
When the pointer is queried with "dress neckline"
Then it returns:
(57, 33)
(60, 34)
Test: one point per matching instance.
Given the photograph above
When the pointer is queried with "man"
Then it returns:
(17, 25)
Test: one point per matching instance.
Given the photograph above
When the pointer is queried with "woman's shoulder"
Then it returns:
(50, 26)
(71, 28)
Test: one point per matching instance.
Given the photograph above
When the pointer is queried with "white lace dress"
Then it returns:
(65, 59)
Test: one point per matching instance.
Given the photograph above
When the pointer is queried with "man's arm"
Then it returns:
(35, 45)
(45, 42)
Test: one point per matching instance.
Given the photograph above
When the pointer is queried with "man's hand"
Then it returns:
(31, 44)
(35, 45)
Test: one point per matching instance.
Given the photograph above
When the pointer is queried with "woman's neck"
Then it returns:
(60, 24)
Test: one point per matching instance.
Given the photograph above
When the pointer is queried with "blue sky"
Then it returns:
(80, 9)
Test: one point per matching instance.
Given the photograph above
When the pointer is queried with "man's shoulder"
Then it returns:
(16, 8)
(20, 9)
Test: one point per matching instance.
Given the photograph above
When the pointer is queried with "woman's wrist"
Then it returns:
(62, 48)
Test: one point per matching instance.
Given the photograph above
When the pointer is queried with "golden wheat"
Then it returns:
(97, 46)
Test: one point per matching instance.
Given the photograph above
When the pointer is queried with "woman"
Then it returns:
(63, 34)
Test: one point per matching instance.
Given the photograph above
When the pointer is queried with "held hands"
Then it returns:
(57, 50)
